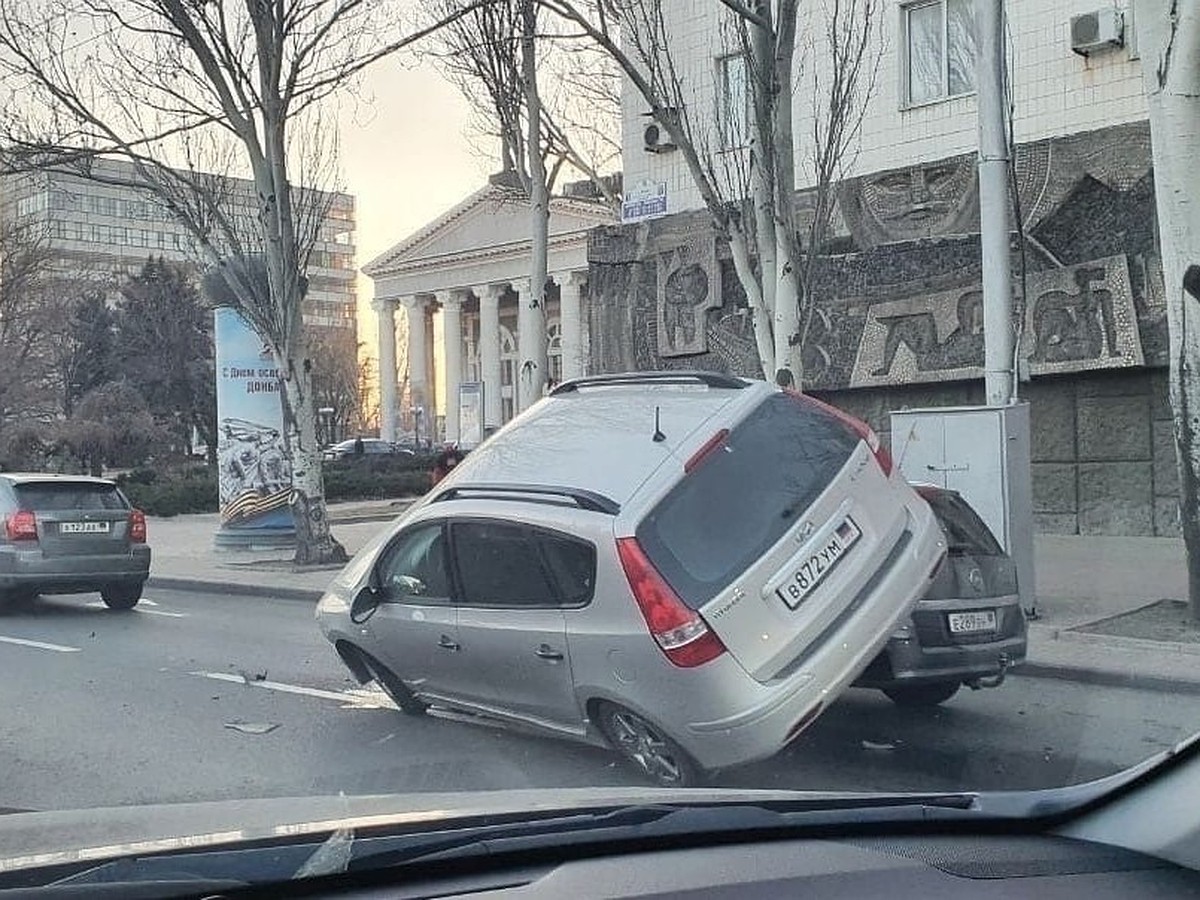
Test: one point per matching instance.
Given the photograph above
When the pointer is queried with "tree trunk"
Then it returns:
(314, 541)
(788, 295)
(531, 325)
(1169, 34)
(740, 250)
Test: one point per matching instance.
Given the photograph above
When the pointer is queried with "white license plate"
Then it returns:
(84, 527)
(972, 622)
(813, 570)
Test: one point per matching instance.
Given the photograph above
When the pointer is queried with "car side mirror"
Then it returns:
(366, 601)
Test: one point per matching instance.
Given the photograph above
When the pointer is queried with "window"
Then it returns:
(499, 565)
(733, 101)
(47, 497)
(939, 49)
(744, 496)
(414, 568)
(572, 564)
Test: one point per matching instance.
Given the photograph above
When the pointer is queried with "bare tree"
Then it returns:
(497, 55)
(337, 383)
(578, 90)
(161, 82)
(26, 321)
(742, 160)
(1169, 39)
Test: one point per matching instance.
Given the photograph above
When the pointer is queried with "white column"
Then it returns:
(386, 311)
(531, 346)
(452, 335)
(489, 352)
(418, 365)
(570, 314)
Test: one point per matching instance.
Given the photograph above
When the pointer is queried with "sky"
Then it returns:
(406, 157)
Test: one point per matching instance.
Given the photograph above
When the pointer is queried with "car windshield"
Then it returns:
(435, 401)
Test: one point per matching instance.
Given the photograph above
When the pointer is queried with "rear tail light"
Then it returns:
(137, 526)
(683, 636)
(21, 526)
(860, 428)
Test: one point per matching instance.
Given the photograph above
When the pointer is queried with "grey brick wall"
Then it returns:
(1103, 450)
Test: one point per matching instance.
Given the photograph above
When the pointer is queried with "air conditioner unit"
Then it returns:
(1099, 30)
(656, 140)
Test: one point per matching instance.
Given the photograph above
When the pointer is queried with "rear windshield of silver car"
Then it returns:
(44, 496)
(965, 531)
(742, 498)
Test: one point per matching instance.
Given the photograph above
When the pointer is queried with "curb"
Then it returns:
(233, 589)
(1105, 677)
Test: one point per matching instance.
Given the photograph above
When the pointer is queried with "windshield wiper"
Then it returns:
(217, 869)
(655, 821)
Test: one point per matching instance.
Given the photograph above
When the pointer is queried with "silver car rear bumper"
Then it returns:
(783, 708)
(33, 570)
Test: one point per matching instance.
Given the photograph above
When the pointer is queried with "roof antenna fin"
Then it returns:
(659, 437)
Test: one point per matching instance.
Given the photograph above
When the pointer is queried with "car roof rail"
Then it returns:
(583, 498)
(668, 376)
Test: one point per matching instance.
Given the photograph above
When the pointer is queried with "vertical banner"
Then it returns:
(470, 414)
(255, 475)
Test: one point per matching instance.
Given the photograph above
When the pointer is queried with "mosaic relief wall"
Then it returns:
(689, 285)
(904, 304)
(1076, 318)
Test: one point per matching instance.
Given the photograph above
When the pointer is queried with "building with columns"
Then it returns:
(470, 269)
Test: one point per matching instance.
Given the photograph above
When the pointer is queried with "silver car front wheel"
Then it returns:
(646, 747)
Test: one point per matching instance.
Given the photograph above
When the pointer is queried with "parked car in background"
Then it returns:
(694, 603)
(69, 534)
(969, 627)
(370, 447)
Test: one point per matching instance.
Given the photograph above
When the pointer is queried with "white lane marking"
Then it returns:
(100, 604)
(38, 645)
(354, 699)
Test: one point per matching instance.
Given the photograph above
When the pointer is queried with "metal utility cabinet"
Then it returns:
(983, 452)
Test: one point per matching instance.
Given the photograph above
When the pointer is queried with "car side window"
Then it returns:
(500, 564)
(414, 569)
(572, 565)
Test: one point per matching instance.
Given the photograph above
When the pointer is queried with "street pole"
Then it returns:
(999, 339)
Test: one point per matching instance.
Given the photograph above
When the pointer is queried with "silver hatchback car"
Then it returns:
(70, 534)
(688, 567)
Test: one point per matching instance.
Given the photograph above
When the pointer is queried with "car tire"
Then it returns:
(391, 685)
(922, 695)
(122, 596)
(647, 748)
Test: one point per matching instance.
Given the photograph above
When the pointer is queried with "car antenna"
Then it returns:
(659, 437)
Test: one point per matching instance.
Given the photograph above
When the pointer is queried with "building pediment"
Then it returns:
(491, 219)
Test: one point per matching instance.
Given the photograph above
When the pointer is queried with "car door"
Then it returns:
(511, 618)
(414, 631)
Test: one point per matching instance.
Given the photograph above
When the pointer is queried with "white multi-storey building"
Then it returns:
(898, 302)
(107, 231)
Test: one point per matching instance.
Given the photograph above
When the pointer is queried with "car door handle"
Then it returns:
(446, 644)
(545, 651)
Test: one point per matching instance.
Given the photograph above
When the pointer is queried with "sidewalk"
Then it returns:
(1080, 581)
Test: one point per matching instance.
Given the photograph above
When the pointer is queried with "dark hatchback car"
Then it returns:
(69, 534)
(969, 627)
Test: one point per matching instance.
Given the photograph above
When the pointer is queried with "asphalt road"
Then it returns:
(203, 697)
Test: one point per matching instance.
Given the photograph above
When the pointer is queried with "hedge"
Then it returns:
(194, 490)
